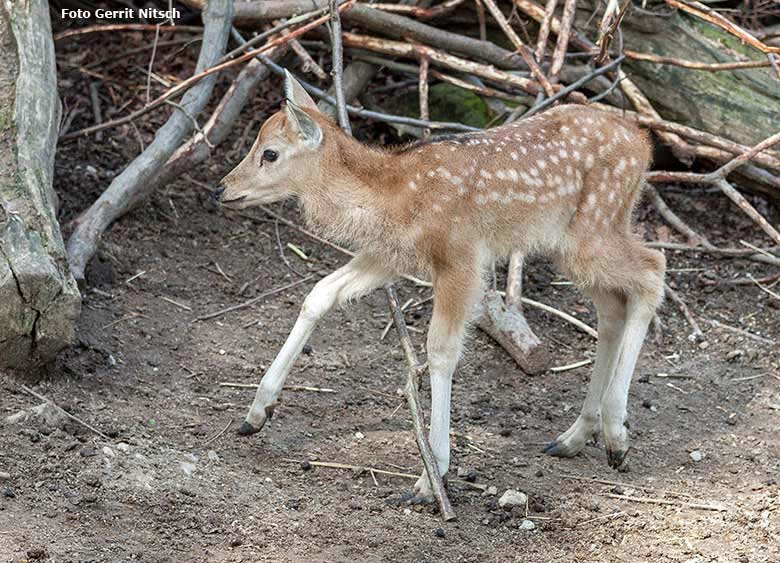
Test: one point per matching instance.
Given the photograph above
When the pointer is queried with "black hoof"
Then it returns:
(554, 449)
(408, 498)
(247, 429)
(616, 458)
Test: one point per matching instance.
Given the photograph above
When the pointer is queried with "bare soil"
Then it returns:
(174, 483)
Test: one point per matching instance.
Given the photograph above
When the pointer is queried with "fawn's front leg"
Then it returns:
(456, 292)
(362, 274)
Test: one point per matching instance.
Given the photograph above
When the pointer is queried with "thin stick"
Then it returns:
(218, 434)
(519, 45)
(575, 365)
(707, 14)
(350, 467)
(647, 500)
(423, 93)
(696, 65)
(745, 333)
(250, 302)
(569, 8)
(338, 67)
(573, 320)
(63, 411)
(544, 30)
(412, 398)
(126, 27)
(764, 289)
(413, 365)
(288, 387)
(179, 305)
(186, 84)
(697, 332)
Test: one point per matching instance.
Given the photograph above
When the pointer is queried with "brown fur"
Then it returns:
(430, 206)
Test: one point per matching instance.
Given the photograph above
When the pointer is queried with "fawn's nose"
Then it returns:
(216, 195)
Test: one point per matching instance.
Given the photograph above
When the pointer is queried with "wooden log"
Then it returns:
(39, 300)
(742, 105)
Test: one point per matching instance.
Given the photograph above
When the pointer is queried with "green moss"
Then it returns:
(451, 103)
(447, 102)
(721, 37)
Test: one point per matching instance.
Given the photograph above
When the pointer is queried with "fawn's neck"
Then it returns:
(358, 192)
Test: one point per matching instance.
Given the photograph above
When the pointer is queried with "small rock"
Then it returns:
(16, 417)
(734, 354)
(527, 525)
(512, 498)
(407, 511)
(187, 468)
(307, 350)
(305, 465)
(123, 447)
(696, 456)
(355, 505)
(4, 476)
(704, 345)
(491, 491)
(440, 532)
(647, 404)
(359, 435)
(90, 498)
(87, 451)
(8, 492)
(212, 455)
(108, 452)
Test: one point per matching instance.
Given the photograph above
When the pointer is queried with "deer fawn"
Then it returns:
(563, 183)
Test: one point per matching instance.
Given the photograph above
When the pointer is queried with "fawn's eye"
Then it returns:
(270, 155)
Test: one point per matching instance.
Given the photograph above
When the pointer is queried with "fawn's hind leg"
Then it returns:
(611, 311)
(625, 280)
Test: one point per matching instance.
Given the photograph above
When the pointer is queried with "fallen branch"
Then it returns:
(718, 178)
(116, 199)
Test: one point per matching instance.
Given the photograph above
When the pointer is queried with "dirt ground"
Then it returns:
(173, 482)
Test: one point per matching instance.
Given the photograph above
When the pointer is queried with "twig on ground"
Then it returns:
(250, 302)
(287, 387)
(218, 434)
(74, 418)
(745, 333)
(697, 332)
(665, 502)
(176, 303)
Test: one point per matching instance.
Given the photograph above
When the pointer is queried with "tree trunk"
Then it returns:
(39, 300)
(742, 105)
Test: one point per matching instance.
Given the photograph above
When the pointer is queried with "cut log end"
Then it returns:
(509, 328)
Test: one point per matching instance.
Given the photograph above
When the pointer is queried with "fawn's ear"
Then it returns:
(295, 93)
(303, 125)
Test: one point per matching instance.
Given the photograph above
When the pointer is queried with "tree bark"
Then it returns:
(39, 300)
(741, 105)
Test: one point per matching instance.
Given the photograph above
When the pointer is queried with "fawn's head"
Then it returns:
(283, 159)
